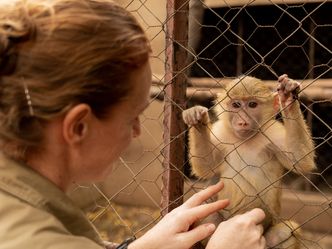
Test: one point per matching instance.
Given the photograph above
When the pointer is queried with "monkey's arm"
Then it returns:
(298, 142)
(298, 147)
(201, 147)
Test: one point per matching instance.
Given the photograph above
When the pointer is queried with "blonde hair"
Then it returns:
(245, 86)
(57, 53)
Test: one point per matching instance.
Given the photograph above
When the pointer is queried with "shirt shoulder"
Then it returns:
(25, 226)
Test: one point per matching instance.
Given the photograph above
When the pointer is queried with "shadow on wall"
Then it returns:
(151, 14)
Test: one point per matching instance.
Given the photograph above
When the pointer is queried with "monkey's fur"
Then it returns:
(250, 150)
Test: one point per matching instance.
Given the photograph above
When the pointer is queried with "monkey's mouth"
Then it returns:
(245, 133)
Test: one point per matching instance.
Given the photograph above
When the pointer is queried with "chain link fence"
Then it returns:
(198, 47)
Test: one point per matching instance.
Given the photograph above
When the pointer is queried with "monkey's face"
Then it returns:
(244, 116)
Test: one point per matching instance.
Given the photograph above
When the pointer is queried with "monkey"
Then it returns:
(251, 150)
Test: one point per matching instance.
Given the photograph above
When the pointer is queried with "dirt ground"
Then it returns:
(118, 222)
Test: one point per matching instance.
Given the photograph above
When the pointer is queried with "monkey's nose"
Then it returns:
(243, 124)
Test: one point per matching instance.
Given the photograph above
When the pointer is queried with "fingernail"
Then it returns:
(211, 227)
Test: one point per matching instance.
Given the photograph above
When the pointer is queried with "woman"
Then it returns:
(75, 76)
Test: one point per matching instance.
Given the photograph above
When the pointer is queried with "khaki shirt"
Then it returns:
(35, 214)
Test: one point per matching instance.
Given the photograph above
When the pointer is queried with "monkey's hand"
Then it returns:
(288, 90)
(195, 116)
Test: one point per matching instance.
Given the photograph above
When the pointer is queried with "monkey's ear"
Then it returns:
(276, 102)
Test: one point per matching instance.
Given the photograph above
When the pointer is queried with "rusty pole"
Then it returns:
(174, 103)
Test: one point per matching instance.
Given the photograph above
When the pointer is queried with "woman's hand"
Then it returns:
(172, 232)
(240, 232)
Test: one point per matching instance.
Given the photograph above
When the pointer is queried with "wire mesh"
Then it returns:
(225, 39)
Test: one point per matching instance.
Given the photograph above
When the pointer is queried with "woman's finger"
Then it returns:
(262, 242)
(197, 234)
(260, 229)
(257, 215)
(202, 211)
(203, 195)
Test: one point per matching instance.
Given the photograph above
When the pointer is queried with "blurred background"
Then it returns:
(212, 42)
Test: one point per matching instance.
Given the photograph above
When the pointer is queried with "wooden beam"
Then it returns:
(234, 3)
(207, 88)
(222, 82)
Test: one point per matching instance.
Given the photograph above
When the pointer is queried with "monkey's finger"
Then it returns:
(283, 82)
(282, 77)
(187, 118)
(198, 115)
(195, 117)
(292, 85)
(257, 215)
(281, 87)
(203, 195)
(201, 113)
(296, 92)
(190, 120)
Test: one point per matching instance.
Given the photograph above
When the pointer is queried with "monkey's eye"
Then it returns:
(252, 104)
(236, 104)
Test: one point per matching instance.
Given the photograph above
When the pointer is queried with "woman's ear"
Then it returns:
(76, 123)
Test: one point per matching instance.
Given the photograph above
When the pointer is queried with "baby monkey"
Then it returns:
(250, 150)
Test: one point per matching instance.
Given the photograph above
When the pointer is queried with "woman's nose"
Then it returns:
(137, 128)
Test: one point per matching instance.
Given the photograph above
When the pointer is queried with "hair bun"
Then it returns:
(7, 64)
(3, 43)
(11, 32)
